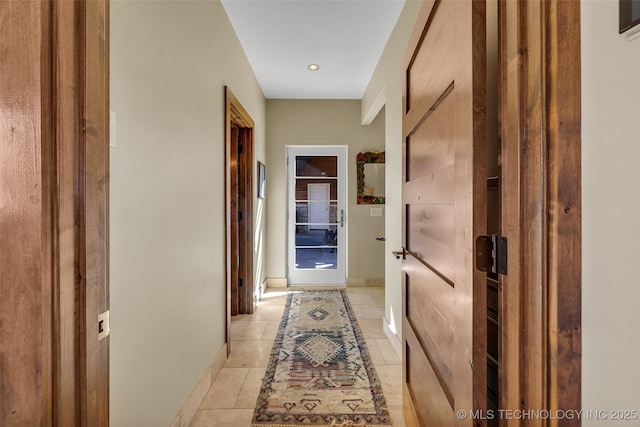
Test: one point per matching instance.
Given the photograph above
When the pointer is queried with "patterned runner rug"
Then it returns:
(320, 372)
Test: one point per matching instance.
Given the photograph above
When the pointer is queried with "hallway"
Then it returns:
(113, 253)
(231, 400)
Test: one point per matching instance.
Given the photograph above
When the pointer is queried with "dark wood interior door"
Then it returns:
(242, 301)
(444, 198)
(239, 210)
(234, 200)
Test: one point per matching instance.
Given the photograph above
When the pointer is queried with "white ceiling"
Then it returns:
(344, 37)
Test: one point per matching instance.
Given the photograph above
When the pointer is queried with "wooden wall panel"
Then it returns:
(510, 291)
(69, 139)
(478, 80)
(540, 126)
(565, 209)
(53, 220)
(532, 200)
(25, 215)
(95, 236)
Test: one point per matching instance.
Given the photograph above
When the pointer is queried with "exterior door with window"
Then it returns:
(316, 215)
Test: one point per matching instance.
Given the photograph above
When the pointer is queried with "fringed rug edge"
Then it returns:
(317, 425)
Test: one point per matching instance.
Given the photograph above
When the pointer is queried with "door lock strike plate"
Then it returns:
(103, 325)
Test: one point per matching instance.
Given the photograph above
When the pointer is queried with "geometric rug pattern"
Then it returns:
(320, 372)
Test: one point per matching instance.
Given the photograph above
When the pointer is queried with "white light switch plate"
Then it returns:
(112, 129)
(377, 211)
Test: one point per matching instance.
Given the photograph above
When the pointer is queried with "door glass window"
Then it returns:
(316, 222)
(317, 166)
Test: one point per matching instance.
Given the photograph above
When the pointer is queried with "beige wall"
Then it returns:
(170, 61)
(322, 122)
(611, 206)
(385, 89)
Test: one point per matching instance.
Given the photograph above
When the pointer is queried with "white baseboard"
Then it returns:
(371, 281)
(190, 407)
(261, 289)
(276, 282)
(396, 341)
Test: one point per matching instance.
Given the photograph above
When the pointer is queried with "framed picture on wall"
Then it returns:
(629, 15)
(262, 176)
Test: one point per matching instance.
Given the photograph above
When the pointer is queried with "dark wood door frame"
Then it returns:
(541, 217)
(239, 209)
(54, 222)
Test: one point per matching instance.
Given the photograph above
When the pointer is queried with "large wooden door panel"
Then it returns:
(425, 159)
(429, 304)
(423, 381)
(431, 71)
(444, 204)
(430, 237)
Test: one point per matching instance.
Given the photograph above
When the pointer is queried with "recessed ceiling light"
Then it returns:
(314, 67)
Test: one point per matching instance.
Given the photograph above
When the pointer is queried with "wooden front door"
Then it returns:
(444, 198)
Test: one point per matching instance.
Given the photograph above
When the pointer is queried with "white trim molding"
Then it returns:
(276, 282)
(394, 338)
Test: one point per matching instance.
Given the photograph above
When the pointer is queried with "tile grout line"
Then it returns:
(235, 402)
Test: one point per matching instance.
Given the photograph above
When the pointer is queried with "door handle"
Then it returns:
(399, 254)
(341, 217)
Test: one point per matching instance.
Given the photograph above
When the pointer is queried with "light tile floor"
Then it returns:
(232, 397)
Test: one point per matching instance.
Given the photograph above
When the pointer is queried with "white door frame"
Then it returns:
(302, 276)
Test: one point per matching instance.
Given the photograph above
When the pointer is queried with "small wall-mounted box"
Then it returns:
(377, 211)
